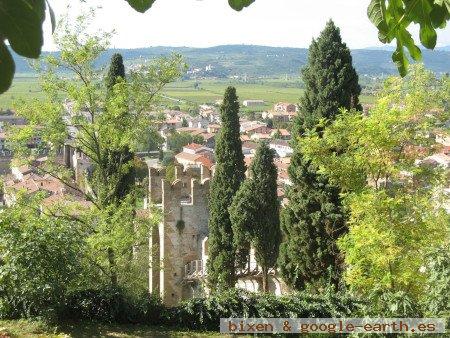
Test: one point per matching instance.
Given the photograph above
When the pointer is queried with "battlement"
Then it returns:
(199, 190)
(178, 238)
(189, 186)
(155, 177)
(180, 192)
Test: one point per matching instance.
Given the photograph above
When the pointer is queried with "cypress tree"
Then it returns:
(114, 159)
(314, 218)
(228, 176)
(255, 212)
(122, 158)
(330, 80)
(116, 71)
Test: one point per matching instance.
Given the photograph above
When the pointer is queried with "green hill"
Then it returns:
(261, 61)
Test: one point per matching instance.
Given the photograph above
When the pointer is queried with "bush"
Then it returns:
(168, 158)
(112, 305)
(205, 313)
(391, 304)
(39, 259)
(437, 297)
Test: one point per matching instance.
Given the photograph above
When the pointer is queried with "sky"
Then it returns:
(205, 23)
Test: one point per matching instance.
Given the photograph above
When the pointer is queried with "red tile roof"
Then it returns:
(205, 161)
(193, 146)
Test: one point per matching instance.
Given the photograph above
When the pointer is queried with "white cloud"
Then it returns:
(206, 23)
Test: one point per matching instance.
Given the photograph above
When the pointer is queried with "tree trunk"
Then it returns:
(265, 281)
(112, 268)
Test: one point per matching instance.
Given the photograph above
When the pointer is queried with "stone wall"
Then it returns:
(181, 238)
(178, 238)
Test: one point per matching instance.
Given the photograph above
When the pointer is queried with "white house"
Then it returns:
(253, 103)
(282, 147)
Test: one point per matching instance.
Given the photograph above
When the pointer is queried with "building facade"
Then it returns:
(178, 246)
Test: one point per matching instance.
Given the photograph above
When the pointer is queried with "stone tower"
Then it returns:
(177, 241)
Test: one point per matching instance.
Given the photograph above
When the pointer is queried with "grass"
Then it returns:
(269, 90)
(211, 90)
(22, 88)
(30, 329)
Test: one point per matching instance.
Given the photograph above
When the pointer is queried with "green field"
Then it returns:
(186, 92)
(211, 90)
(22, 88)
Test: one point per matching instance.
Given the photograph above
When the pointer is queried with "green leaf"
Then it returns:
(400, 60)
(442, 3)
(7, 68)
(141, 5)
(52, 16)
(377, 14)
(407, 40)
(428, 36)
(440, 13)
(438, 16)
(21, 23)
(419, 11)
(240, 4)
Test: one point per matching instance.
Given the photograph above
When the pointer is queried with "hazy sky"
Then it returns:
(203, 23)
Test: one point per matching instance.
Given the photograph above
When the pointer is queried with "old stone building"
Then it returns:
(179, 244)
(178, 239)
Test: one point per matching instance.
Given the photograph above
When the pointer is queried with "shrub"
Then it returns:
(205, 313)
(437, 297)
(39, 258)
(112, 305)
(390, 304)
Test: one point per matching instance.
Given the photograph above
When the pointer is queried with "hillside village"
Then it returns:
(205, 125)
(194, 161)
(194, 164)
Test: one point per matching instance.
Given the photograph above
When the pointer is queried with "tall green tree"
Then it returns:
(116, 71)
(229, 174)
(397, 217)
(314, 218)
(331, 81)
(255, 212)
(100, 126)
(122, 157)
(117, 160)
(311, 223)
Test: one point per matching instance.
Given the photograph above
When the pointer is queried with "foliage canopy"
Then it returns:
(104, 122)
(394, 196)
(314, 219)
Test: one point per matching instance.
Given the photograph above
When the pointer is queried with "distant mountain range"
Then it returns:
(263, 61)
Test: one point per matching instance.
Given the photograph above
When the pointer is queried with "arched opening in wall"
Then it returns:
(240, 284)
(248, 285)
(253, 285)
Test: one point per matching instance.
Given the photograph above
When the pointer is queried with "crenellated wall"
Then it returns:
(178, 238)
(178, 245)
(155, 177)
